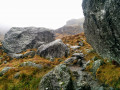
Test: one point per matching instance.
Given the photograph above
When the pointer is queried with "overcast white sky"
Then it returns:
(39, 13)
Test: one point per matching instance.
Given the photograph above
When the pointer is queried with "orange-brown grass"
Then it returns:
(59, 36)
(28, 50)
(4, 56)
(30, 76)
(28, 80)
(109, 74)
(75, 39)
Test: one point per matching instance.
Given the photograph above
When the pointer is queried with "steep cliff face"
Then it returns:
(102, 24)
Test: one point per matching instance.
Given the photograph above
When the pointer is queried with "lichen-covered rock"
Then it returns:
(57, 79)
(31, 64)
(78, 55)
(55, 49)
(17, 56)
(81, 43)
(85, 81)
(102, 26)
(4, 70)
(70, 61)
(38, 44)
(29, 54)
(5, 62)
(75, 47)
(20, 39)
(96, 65)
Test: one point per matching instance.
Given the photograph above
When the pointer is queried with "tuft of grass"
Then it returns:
(109, 74)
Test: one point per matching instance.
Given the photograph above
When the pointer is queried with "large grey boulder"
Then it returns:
(57, 79)
(55, 49)
(102, 26)
(19, 39)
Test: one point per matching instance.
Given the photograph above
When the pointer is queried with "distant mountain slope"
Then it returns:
(72, 27)
(75, 21)
(1, 36)
(3, 30)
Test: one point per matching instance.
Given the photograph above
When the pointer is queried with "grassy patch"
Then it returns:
(108, 73)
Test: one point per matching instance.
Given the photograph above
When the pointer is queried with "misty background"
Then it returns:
(38, 13)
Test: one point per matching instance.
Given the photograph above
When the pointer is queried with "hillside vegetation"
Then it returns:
(108, 73)
(29, 77)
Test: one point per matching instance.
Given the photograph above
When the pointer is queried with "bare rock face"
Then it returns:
(19, 39)
(57, 79)
(102, 24)
(55, 49)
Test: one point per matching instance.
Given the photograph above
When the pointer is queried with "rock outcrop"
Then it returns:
(19, 39)
(55, 49)
(57, 79)
(71, 77)
(102, 25)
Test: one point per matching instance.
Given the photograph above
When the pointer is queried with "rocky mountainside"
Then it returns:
(31, 58)
(81, 68)
(102, 27)
(72, 27)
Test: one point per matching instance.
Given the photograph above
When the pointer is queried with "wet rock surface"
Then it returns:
(55, 49)
(19, 39)
(57, 79)
(81, 79)
(102, 25)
